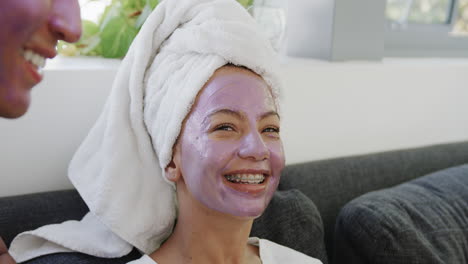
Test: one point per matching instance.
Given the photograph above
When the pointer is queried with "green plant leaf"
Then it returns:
(89, 29)
(110, 12)
(88, 42)
(92, 46)
(246, 3)
(133, 4)
(152, 3)
(67, 49)
(116, 37)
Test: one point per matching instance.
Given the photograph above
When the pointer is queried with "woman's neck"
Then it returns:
(202, 235)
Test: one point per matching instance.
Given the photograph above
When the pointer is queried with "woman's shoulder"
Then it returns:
(272, 253)
(145, 259)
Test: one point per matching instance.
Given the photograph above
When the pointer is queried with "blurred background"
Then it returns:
(360, 76)
(403, 12)
(110, 25)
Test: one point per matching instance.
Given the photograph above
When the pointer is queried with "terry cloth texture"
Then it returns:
(119, 168)
(424, 221)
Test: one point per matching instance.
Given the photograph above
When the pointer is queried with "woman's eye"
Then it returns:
(224, 127)
(271, 130)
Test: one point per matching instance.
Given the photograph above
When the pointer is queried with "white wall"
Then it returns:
(329, 110)
(339, 109)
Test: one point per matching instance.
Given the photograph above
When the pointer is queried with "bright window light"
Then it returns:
(419, 11)
(92, 9)
(461, 26)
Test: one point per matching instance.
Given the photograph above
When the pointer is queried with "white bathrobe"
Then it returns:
(270, 253)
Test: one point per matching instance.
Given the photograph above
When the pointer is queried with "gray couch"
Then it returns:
(303, 213)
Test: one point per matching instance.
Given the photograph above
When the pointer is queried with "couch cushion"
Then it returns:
(423, 221)
(332, 183)
(28, 212)
(291, 219)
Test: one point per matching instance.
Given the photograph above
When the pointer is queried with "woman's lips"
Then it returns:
(34, 62)
(252, 182)
(33, 72)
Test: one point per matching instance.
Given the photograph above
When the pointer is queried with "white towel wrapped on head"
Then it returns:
(119, 168)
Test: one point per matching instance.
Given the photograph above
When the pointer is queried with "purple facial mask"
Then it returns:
(231, 153)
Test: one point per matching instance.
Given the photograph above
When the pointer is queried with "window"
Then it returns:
(92, 9)
(422, 28)
(365, 29)
(402, 12)
(461, 26)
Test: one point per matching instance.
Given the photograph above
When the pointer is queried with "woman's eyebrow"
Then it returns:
(270, 113)
(236, 114)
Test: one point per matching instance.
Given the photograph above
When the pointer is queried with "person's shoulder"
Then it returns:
(275, 253)
(145, 259)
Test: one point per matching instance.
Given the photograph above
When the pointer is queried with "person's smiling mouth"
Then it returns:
(35, 58)
(247, 181)
(247, 176)
(37, 55)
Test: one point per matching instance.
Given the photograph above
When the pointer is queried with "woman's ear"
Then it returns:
(173, 172)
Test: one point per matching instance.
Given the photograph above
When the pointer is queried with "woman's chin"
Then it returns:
(14, 109)
(246, 212)
(15, 97)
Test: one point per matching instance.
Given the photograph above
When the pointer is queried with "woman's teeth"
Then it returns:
(246, 178)
(34, 58)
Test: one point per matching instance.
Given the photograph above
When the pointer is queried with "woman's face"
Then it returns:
(29, 33)
(230, 151)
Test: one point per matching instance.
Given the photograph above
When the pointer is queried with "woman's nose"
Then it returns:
(253, 147)
(65, 20)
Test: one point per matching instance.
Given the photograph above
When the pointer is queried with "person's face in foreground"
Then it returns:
(29, 33)
(230, 151)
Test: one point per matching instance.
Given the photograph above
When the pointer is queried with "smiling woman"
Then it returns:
(226, 166)
(28, 36)
(229, 153)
